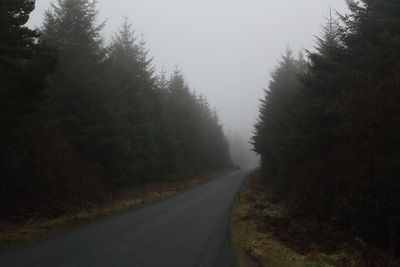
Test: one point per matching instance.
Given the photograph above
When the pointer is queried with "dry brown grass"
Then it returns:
(256, 226)
(13, 234)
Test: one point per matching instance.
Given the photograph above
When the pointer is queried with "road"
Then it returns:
(186, 230)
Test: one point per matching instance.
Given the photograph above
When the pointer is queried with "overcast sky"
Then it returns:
(225, 48)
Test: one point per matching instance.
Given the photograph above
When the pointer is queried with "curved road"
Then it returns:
(189, 229)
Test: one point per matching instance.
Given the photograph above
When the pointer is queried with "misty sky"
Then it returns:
(225, 48)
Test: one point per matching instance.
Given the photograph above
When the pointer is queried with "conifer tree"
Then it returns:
(131, 84)
(24, 61)
(80, 109)
(275, 134)
(25, 64)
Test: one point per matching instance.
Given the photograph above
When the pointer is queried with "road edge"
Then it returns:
(15, 235)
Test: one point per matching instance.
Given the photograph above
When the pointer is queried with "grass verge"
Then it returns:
(13, 234)
(256, 225)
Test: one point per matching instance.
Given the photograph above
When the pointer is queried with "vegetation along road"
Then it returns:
(189, 229)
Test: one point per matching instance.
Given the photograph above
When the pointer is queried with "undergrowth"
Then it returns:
(262, 235)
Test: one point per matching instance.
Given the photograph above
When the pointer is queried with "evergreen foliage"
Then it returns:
(79, 99)
(25, 64)
(82, 118)
(273, 138)
(330, 137)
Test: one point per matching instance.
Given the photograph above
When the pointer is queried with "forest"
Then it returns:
(81, 116)
(328, 130)
(84, 117)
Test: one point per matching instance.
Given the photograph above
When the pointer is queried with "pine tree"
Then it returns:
(25, 64)
(70, 26)
(371, 35)
(134, 101)
(275, 136)
(80, 100)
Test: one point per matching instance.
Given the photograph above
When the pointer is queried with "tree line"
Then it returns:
(329, 131)
(81, 116)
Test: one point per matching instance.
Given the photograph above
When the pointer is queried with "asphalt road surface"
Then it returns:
(189, 229)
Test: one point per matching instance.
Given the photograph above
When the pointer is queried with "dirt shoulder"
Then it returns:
(14, 234)
(261, 236)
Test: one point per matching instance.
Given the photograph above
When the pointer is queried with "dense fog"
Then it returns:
(225, 48)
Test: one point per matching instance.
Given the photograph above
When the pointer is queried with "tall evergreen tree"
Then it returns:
(25, 64)
(275, 134)
(371, 36)
(132, 86)
(80, 99)
(24, 61)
